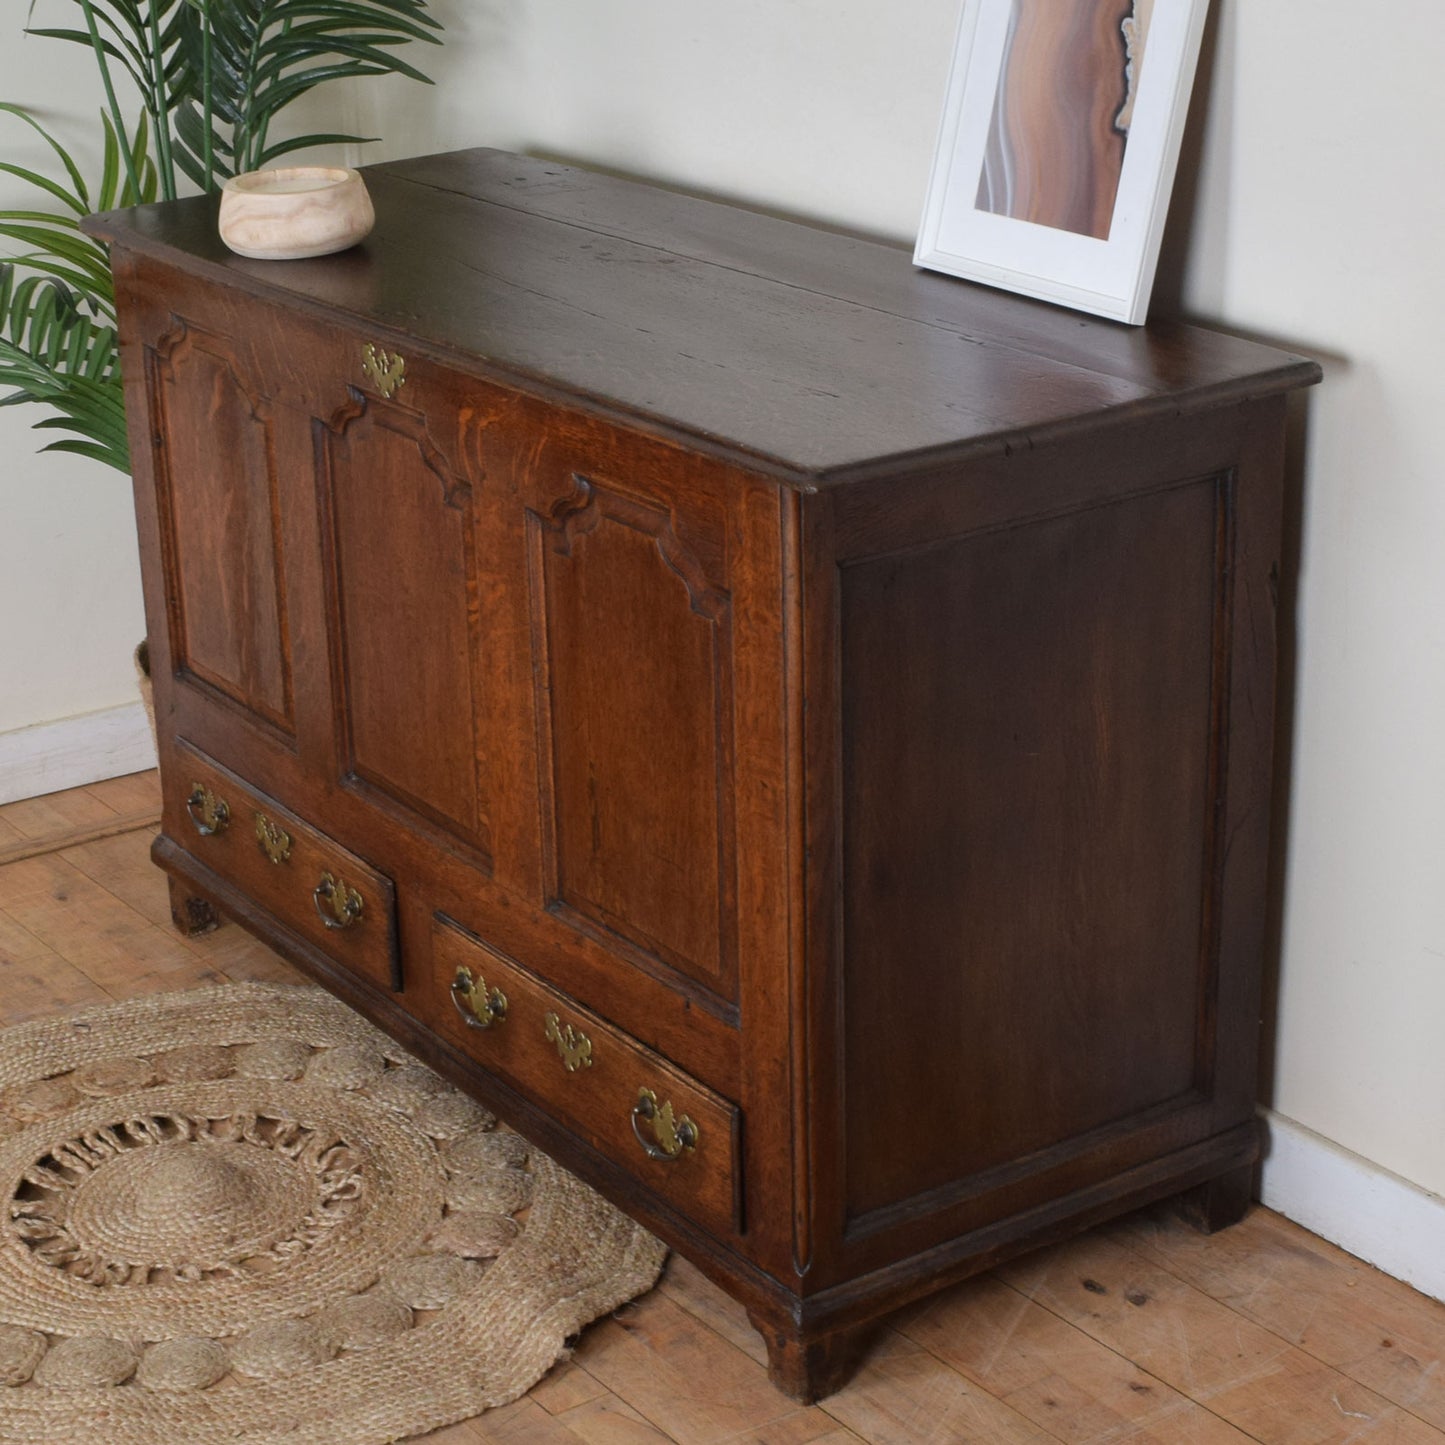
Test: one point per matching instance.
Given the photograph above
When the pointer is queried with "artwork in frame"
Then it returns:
(1056, 155)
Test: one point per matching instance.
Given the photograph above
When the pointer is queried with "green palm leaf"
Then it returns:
(266, 54)
(212, 75)
(226, 68)
(71, 169)
(57, 303)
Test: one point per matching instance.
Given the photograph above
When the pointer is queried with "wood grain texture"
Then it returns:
(591, 1073)
(839, 695)
(321, 891)
(1312, 1294)
(1309, 1332)
(683, 318)
(225, 582)
(47, 824)
(400, 534)
(1240, 1371)
(119, 823)
(1008, 855)
(987, 659)
(641, 737)
(44, 820)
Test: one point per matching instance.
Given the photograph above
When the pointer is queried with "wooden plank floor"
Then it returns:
(1141, 1331)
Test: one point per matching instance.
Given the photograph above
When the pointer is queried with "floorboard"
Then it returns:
(1142, 1332)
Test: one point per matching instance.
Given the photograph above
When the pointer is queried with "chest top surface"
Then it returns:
(817, 357)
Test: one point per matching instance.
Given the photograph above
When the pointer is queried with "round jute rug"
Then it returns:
(242, 1214)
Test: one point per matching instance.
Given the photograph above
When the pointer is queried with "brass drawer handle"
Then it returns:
(273, 840)
(386, 372)
(574, 1048)
(210, 814)
(338, 904)
(674, 1137)
(480, 1007)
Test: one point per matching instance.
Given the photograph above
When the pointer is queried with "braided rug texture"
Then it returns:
(243, 1214)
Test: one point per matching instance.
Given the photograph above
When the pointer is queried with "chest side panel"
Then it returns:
(1027, 860)
(1036, 816)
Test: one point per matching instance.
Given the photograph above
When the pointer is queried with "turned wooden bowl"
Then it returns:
(295, 211)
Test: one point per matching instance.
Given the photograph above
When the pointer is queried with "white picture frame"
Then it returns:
(966, 235)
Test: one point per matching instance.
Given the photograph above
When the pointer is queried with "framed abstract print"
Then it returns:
(1056, 155)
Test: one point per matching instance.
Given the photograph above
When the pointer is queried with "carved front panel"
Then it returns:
(406, 632)
(220, 519)
(637, 706)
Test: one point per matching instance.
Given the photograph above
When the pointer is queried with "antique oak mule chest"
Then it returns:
(790, 733)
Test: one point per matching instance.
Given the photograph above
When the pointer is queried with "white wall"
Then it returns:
(1322, 215)
(1316, 221)
(70, 604)
(823, 108)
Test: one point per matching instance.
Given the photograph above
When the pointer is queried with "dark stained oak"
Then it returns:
(221, 525)
(1021, 720)
(388, 491)
(809, 1370)
(191, 914)
(1220, 1202)
(641, 768)
(811, 355)
(844, 695)
(591, 1075)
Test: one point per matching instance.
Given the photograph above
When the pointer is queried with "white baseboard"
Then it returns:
(1374, 1214)
(75, 751)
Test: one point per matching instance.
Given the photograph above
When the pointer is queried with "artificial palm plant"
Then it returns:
(210, 78)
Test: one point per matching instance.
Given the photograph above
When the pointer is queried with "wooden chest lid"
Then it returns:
(813, 356)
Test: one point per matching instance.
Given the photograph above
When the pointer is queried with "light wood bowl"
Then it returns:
(295, 211)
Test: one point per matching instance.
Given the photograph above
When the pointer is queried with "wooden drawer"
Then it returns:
(677, 1137)
(313, 885)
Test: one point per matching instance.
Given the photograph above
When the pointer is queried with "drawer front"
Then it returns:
(313, 885)
(677, 1137)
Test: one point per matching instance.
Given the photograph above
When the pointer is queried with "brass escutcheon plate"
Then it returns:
(273, 840)
(574, 1048)
(386, 372)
